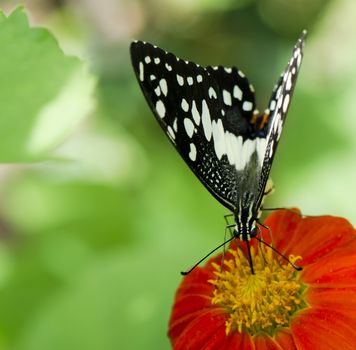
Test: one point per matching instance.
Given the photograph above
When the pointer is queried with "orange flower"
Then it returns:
(278, 307)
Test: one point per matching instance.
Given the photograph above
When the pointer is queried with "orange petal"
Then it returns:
(236, 341)
(185, 310)
(337, 269)
(283, 224)
(233, 341)
(285, 339)
(265, 342)
(323, 329)
(337, 299)
(310, 237)
(204, 332)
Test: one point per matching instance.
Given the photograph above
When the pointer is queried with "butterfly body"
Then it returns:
(209, 115)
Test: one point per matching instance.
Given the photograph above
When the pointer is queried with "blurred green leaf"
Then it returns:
(97, 213)
(43, 93)
(118, 302)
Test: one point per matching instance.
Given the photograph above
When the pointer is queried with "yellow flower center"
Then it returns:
(262, 302)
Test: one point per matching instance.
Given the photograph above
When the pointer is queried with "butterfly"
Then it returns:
(209, 115)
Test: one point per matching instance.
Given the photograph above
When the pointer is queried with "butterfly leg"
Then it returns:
(275, 250)
(292, 210)
(269, 231)
(226, 217)
(270, 236)
(260, 245)
(228, 224)
(227, 227)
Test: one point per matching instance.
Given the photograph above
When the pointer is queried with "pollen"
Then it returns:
(260, 302)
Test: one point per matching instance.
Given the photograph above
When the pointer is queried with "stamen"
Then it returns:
(261, 301)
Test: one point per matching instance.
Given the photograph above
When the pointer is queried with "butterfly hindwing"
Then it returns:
(203, 113)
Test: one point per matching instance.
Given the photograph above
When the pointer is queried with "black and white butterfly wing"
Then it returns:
(209, 115)
(278, 109)
(206, 114)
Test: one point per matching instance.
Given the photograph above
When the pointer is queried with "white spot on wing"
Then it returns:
(237, 92)
(206, 121)
(227, 97)
(175, 125)
(219, 138)
(247, 106)
(158, 91)
(161, 109)
(272, 105)
(242, 75)
(231, 146)
(195, 114)
(141, 73)
(189, 127)
(228, 69)
(180, 80)
(261, 144)
(164, 87)
(152, 77)
(190, 80)
(193, 152)
(279, 102)
(271, 149)
(248, 147)
(157, 60)
(199, 78)
(238, 152)
(185, 105)
(289, 81)
(212, 92)
(168, 67)
(276, 122)
(171, 132)
(147, 59)
(286, 103)
(299, 60)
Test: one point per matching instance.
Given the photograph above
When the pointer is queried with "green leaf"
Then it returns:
(43, 92)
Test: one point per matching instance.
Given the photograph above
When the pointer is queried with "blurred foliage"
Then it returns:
(98, 212)
(33, 73)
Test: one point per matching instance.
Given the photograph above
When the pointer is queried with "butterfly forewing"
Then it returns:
(236, 93)
(205, 112)
(278, 108)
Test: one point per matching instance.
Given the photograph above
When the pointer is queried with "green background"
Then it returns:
(98, 213)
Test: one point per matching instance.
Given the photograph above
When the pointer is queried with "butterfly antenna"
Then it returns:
(250, 257)
(298, 268)
(184, 273)
(223, 252)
